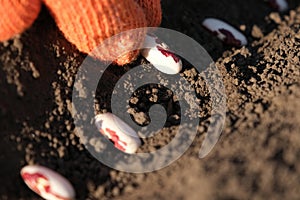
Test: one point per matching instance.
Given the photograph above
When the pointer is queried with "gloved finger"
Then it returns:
(87, 23)
(16, 16)
(152, 10)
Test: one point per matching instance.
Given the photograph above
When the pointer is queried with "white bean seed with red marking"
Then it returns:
(47, 183)
(160, 56)
(280, 5)
(121, 134)
(225, 32)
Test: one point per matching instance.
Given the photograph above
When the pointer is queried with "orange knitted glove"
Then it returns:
(85, 23)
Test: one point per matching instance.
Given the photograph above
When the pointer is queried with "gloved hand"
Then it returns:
(85, 23)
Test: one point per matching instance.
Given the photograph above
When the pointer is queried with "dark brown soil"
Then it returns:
(255, 158)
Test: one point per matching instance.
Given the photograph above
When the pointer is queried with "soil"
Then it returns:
(255, 158)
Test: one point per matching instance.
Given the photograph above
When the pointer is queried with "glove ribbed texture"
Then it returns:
(87, 23)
